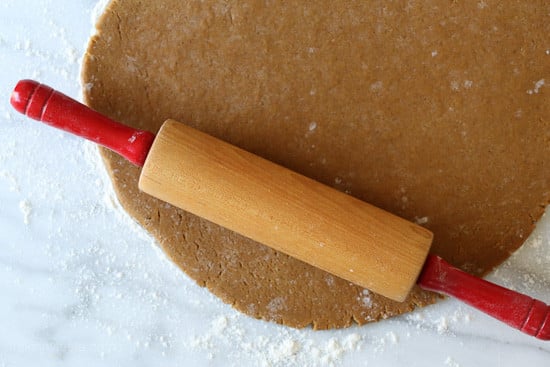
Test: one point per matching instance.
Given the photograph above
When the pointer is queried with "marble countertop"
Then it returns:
(81, 284)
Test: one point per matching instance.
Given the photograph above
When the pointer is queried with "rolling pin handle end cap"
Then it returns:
(42, 103)
(537, 321)
(22, 95)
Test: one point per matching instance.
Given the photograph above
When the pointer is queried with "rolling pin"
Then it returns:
(283, 209)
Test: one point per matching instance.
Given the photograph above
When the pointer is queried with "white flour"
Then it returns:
(26, 209)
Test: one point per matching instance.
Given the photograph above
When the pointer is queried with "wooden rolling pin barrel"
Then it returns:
(283, 209)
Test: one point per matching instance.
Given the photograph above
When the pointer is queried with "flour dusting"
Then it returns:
(26, 209)
(538, 85)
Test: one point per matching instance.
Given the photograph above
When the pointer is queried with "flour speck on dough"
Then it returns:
(276, 305)
(538, 85)
(455, 86)
(421, 220)
(377, 86)
(482, 4)
(366, 298)
(312, 125)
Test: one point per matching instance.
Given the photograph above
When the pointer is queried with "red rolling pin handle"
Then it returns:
(515, 309)
(42, 103)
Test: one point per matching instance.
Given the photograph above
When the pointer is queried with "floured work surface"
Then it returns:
(436, 111)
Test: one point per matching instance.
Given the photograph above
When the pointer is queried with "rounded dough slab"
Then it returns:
(436, 110)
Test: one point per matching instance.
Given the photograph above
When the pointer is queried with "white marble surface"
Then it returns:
(81, 285)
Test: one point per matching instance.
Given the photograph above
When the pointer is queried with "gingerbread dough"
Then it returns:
(438, 111)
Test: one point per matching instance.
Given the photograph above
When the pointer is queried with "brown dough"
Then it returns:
(428, 109)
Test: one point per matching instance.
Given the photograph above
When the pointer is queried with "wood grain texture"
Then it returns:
(285, 210)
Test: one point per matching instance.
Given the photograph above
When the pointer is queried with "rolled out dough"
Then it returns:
(438, 111)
